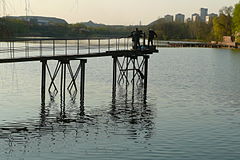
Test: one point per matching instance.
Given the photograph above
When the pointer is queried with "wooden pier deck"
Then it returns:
(119, 53)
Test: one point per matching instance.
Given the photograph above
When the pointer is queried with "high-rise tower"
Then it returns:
(203, 14)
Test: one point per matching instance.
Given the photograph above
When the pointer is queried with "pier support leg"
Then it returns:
(43, 89)
(146, 58)
(134, 67)
(82, 82)
(133, 79)
(114, 87)
(64, 66)
(52, 83)
(63, 84)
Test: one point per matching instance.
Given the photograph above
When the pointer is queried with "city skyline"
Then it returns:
(203, 15)
(110, 11)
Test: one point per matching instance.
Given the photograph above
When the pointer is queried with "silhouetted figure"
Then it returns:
(151, 36)
(136, 35)
(144, 39)
(133, 39)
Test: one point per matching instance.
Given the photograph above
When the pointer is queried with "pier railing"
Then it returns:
(29, 47)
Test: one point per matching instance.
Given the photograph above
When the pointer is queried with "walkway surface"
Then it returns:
(28, 49)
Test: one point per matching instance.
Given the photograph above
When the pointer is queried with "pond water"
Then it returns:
(192, 111)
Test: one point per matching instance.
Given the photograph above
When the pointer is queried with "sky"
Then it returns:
(124, 12)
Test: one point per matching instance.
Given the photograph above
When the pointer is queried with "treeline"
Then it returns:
(226, 24)
(183, 31)
(11, 28)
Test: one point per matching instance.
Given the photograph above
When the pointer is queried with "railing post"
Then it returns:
(99, 50)
(54, 48)
(40, 48)
(27, 49)
(9, 48)
(28, 45)
(124, 44)
(13, 50)
(119, 41)
(66, 47)
(78, 46)
(89, 47)
(108, 44)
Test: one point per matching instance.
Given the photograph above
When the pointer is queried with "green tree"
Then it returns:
(200, 30)
(222, 25)
(10, 28)
(236, 21)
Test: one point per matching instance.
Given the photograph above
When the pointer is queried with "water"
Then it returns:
(192, 112)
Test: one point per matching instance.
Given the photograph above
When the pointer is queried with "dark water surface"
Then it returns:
(193, 112)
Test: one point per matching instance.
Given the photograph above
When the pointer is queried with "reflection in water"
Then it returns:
(134, 112)
(61, 124)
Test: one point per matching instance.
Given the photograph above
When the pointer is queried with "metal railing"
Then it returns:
(29, 47)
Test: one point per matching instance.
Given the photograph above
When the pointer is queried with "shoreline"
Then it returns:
(183, 44)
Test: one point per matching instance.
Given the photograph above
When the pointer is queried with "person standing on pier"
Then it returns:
(151, 36)
(133, 39)
(136, 35)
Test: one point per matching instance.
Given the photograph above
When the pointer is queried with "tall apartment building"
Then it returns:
(195, 17)
(209, 18)
(179, 18)
(203, 14)
(168, 18)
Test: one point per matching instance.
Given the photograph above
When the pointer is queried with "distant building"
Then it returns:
(179, 18)
(203, 14)
(209, 18)
(168, 18)
(195, 17)
(44, 21)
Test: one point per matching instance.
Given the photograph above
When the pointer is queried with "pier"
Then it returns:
(182, 44)
(129, 66)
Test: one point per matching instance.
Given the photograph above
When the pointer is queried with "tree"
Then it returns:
(200, 30)
(10, 28)
(222, 25)
(228, 11)
(236, 21)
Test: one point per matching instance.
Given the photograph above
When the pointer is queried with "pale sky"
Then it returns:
(126, 12)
